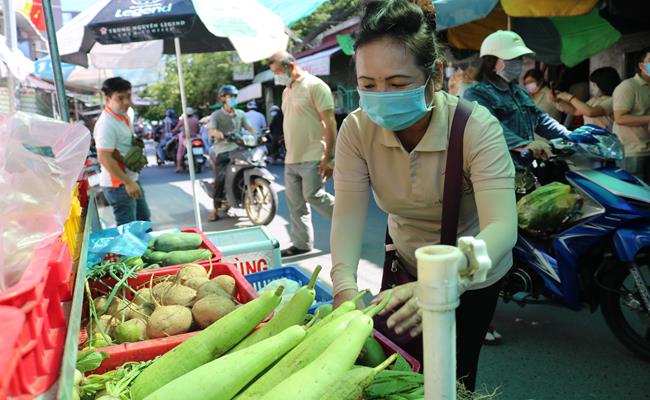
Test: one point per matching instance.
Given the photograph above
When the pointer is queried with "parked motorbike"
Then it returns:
(197, 149)
(600, 256)
(247, 180)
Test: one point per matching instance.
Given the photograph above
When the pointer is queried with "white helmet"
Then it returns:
(505, 45)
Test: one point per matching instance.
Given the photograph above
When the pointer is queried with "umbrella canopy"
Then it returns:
(452, 13)
(15, 61)
(140, 31)
(559, 32)
(566, 40)
(93, 77)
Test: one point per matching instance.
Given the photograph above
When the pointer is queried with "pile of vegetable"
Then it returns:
(167, 305)
(175, 249)
(283, 359)
(547, 208)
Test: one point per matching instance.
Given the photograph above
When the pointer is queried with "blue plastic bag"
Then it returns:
(128, 240)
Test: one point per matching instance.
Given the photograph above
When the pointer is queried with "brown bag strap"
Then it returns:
(453, 188)
(453, 178)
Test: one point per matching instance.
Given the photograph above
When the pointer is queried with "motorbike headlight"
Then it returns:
(608, 148)
(249, 140)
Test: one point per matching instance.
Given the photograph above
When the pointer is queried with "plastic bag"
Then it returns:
(40, 161)
(290, 288)
(547, 207)
(128, 240)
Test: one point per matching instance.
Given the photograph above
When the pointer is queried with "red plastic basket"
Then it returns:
(151, 348)
(390, 348)
(11, 326)
(61, 267)
(40, 342)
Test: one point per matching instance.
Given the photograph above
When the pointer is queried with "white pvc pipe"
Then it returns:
(438, 297)
(188, 149)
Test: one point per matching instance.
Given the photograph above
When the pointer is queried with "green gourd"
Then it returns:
(209, 343)
(313, 381)
(293, 313)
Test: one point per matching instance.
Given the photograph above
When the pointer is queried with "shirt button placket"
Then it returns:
(416, 190)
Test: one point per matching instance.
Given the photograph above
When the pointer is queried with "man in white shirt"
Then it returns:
(114, 138)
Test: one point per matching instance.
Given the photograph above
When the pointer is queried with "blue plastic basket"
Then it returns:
(261, 279)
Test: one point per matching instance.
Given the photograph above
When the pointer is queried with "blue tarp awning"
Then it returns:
(292, 10)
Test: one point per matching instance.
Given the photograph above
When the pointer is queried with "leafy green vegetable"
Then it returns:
(401, 365)
(113, 383)
(90, 359)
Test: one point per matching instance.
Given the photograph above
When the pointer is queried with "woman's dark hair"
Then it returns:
(606, 78)
(536, 75)
(406, 22)
(117, 84)
(486, 71)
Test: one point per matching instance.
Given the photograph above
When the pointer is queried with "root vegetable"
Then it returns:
(133, 330)
(178, 295)
(108, 323)
(210, 287)
(158, 290)
(168, 321)
(100, 303)
(196, 282)
(100, 341)
(227, 283)
(190, 271)
(117, 306)
(144, 296)
(142, 311)
(211, 308)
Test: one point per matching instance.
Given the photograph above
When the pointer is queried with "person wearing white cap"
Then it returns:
(255, 118)
(498, 90)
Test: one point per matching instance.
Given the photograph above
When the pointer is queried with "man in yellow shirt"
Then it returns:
(309, 133)
(632, 118)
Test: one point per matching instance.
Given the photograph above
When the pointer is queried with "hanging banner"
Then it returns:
(241, 71)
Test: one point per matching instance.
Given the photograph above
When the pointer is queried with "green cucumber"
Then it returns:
(178, 241)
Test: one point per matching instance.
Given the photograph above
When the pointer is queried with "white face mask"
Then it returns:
(594, 91)
(282, 79)
(532, 87)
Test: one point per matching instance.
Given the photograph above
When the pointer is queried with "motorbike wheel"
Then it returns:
(622, 307)
(198, 168)
(262, 206)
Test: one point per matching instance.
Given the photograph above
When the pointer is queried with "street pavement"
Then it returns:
(547, 352)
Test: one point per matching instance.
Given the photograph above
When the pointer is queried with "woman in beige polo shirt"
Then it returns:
(598, 109)
(395, 144)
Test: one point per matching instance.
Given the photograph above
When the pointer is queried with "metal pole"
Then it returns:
(9, 14)
(186, 126)
(56, 59)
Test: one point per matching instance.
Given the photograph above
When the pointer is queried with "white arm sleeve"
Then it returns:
(498, 223)
(346, 240)
(352, 186)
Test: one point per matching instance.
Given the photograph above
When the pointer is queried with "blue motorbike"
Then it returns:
(600, 254)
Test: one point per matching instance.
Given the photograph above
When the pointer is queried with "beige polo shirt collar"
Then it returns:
(299, 80)
(434, 138)
(639, 80)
